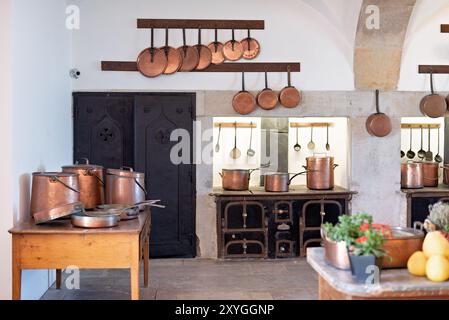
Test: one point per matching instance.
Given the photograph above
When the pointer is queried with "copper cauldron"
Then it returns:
(430, 174)
(52, 189)
(236, 179)
(320, 172)
(125, 186)
(90, 182)
(412, 175)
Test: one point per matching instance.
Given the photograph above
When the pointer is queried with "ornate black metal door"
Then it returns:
(156, 117)
(103, 129)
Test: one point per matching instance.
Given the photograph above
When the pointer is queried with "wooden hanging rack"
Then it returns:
(420, 125)
(310, 124)
(200, 24)
(224, 67)
(233, 125)
(435, 69)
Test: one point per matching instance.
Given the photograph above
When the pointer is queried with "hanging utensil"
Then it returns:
(189, 54)
(402, 154)
(235, 152)
(433, 105)
(429, 154)
(251, 47)
(328, 146)
(422, 152)
(174, 57)
(244, 102)
(378, 124)
(205, 55)
(152, 61)
(311, 144)
(216, 48)
(297, 146)
(217, 146)
(410, 153)
(267, 99)
(290, 97)
(233, 49)
(251, 152)
(438, 158)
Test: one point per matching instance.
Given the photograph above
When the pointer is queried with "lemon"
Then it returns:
(437, 269)
(417, 264)
(435, 244)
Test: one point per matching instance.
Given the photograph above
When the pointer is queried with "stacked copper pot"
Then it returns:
(417, 175)
(320, 172)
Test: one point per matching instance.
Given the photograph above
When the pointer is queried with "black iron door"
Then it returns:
(103, 129)
(156, 117)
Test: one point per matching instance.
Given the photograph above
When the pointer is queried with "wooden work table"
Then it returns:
(58, 245)
(335, 284)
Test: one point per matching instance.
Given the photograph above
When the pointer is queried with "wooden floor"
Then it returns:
(190, 279)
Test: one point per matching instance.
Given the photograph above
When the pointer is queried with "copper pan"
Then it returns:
(251, 47)
(244, 102)
(58, 212)
(189, 54)
(174, 57)
(205, 55)
(152, 61)
(216, 48)
(378, 124)
(267, 99)
(233, 49)
(433, 105)
(290, 97)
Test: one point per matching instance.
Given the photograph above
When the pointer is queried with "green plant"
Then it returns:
(348, 228)
(370, 243)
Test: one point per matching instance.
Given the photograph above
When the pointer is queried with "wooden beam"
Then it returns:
(233, 125)
(420, 125)
(203, 24)
(445, 28)
(225, 67)
(312, 124)
(436, 69)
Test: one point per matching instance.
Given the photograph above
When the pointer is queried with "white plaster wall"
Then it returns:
(37, 108)
(319, 33)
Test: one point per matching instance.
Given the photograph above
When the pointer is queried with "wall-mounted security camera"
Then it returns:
(75, 73)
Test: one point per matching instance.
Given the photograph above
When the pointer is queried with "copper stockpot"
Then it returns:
(445, 168)
(236, 179)
(91, 183)
(278, 182)
(53, 189)
(320, 172)
(412, 175)
(125, 186)
(430, 174)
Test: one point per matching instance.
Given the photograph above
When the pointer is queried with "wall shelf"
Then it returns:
(435, 69)
(203, 24)
(233, 125)
(312, 124)
(420, 125)
(225, 67)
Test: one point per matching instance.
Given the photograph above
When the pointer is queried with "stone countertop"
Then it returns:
(294, 190)
(395, 280)
(440, 189)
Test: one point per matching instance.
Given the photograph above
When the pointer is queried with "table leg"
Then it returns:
(16, 282)
(58, 278)
(146, 261)
(134, 270)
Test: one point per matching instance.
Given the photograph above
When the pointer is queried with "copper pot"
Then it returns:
(125, 186)
(430, 174)
(378, 124)
(278, 182)
(236, 179)
(320, 173)
(404, 243)
(412, 175)
(446, 174)
(53, 189)
(336, 254)
(91, 183)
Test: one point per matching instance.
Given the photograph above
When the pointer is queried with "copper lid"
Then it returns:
(54, 174)
(125, 173)
(83, 166)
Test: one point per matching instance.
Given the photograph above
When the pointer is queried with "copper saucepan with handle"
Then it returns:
(378, 124)
(152, 61)
(279, 181)
(204, 53)
(251, 47)
(189, 54)
(216, 48)
(174, 57)
(244, 102)
(433, 105)
(233, 49)
(267, 99)
(289, 97)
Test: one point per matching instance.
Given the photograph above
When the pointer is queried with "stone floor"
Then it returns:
(192, 279)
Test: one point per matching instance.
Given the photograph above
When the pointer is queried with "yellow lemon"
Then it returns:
(417, 264)
(435, 244)
(437, 269)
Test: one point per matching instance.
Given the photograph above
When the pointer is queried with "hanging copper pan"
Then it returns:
(243, 102)
(251, 47)
(205, 55)
(267, 99)
(378, 124)
(290, 97)
(216, 48)
(189, 54)
(174, 57)
(233, 49)
(152, 62)
(433, 105)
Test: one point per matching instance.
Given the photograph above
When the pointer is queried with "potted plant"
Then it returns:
(367, 252)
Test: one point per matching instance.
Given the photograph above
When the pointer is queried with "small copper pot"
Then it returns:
(125, 186)
(278, 182)
(53, 189)
(236, 179)
(90, 183)
(430, 174)
(412, 175)
(320, 173)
